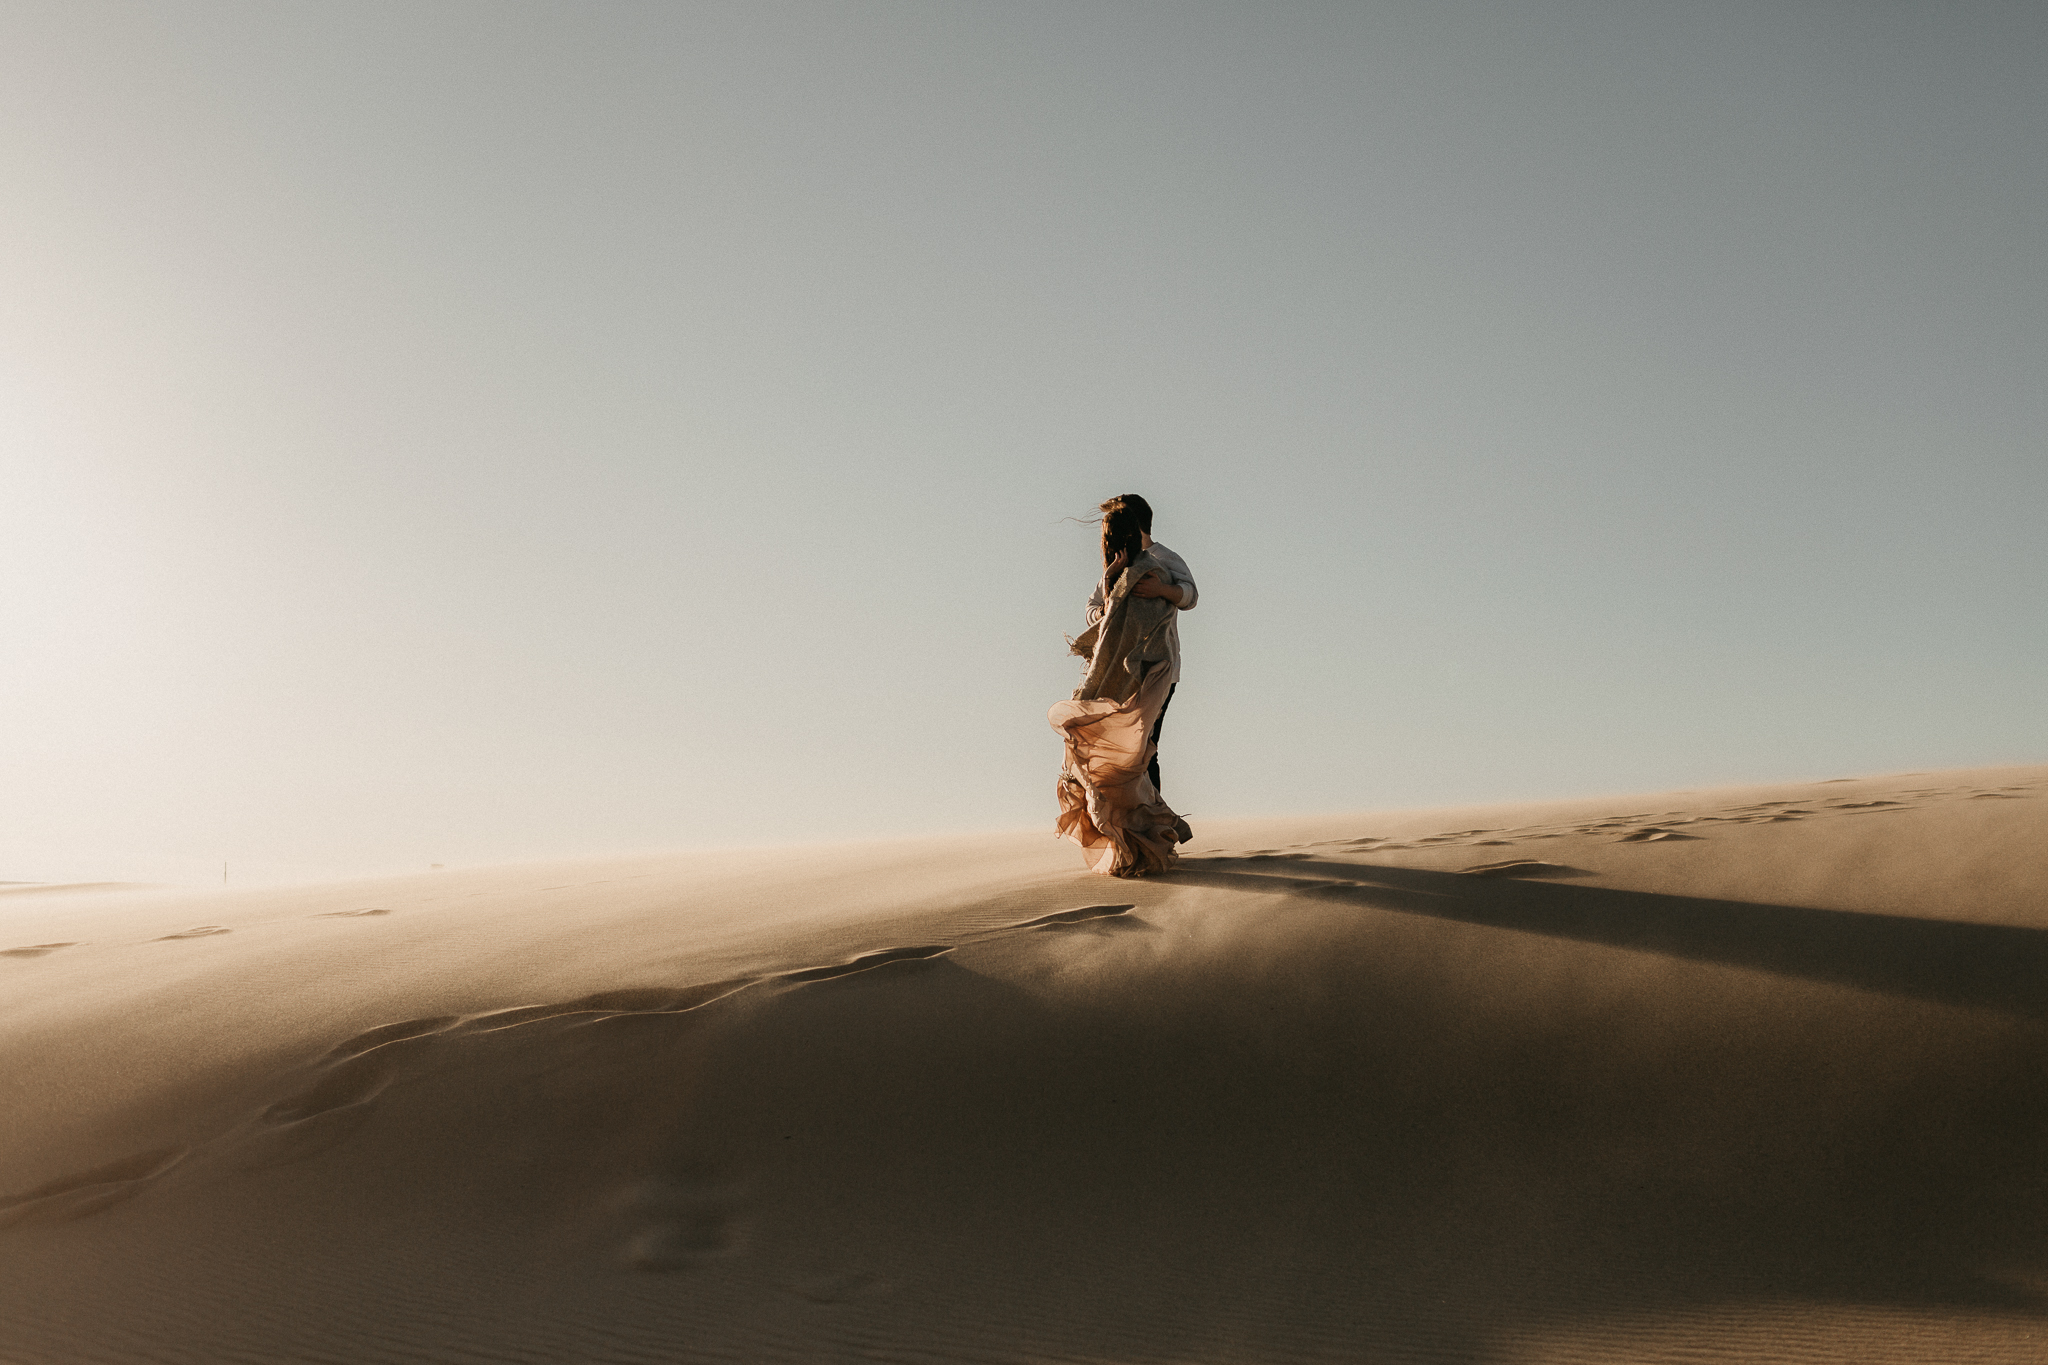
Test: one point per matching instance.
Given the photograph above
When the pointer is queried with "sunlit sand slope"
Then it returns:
(1734, 1075)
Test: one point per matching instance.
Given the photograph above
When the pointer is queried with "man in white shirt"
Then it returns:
(1180, 591)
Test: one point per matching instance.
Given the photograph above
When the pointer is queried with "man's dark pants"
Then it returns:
(1152, 768)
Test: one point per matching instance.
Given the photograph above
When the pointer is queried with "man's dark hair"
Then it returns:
(1124, 519)
(1136, 504)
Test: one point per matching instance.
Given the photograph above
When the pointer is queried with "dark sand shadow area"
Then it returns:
(1270, 1110)
(1695, 1136)
(1952, 962)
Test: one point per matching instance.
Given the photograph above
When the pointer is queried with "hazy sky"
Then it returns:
(470, 432)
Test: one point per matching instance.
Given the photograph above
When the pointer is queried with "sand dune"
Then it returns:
(1735, 1075)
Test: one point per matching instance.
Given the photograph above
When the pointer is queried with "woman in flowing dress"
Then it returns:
(1108, 788)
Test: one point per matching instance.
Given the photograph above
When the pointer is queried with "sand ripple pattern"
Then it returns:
(1474, 1103)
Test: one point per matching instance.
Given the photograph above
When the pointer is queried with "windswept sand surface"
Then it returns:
(1753, 1074)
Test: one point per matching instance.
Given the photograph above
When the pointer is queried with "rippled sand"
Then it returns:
(1757, 1074)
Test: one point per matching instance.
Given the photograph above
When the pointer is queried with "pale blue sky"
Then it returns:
(467, 432)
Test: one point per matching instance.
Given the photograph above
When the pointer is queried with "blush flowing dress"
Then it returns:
(1108, 804)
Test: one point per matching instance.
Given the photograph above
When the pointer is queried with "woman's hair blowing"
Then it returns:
(1126, 521)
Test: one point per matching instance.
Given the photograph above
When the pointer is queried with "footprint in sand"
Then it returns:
(203, 931)
(1525, 867)
(359, 1069)
(1061, 918)
(355, 1081)
(369, 1040)
(867, 962)
(319, 1116)
(638, 1001)
(1093, 920)
(296, 1140)
(1651, 834)
(671, 1225)
(35, 950)
(87, 1192)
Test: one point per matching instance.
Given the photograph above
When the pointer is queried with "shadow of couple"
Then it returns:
(1952, 962)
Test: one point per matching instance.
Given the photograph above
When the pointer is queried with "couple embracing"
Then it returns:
(1109, 782)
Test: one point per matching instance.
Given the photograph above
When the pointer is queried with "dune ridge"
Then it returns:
(1738, 1075)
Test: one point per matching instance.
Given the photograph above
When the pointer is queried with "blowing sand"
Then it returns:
(1753, 1074)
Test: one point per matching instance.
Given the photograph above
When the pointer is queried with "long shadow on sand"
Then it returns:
(1990, 966)
(1327, 1149)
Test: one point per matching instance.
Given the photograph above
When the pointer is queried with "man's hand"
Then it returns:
(1150, 586)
